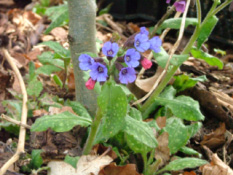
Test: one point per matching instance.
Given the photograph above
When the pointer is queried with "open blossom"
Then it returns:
(155, 44)
(110, 49)
(180, 5)
(132, 57)
(85, 62)
(141, 42)
(168, 1)
(99, 72)
(143, 30)
(146, 64)
(90, 84)
(127, 75)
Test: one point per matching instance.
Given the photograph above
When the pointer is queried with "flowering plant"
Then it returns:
(120, 116)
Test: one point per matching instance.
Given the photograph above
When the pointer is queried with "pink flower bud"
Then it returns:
(90, 84)
(146, 64)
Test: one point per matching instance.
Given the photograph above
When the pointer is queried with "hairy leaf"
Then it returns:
(139, 135)
(59, 122)
(211, 60)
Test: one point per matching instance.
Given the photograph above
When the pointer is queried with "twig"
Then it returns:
(22, 131)
(9, 119)
(174, 48)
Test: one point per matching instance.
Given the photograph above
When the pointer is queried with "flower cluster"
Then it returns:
(125, 64)
(179, 5)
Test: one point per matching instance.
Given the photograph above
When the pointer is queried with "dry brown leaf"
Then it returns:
(189, 173)
(32, 17)
(100, 149)
(59, 33)
(113, 169)
(216, 138)
(33, 54)
(54, 110)
(216, 167)
(71, 81)
(39, 112)
(161, 122)
(147, 84)
(162, 151)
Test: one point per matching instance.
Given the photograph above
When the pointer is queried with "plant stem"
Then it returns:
(144, 157)
(93, 132)
(222, 6)
(165, 16)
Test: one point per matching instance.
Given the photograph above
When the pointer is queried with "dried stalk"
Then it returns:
(22, 132)
(173, 50)
(9, 119)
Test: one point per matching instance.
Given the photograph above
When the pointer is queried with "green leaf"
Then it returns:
(139, 135)
(112, 102)
(57, 80)
(105, 10)
(136, 114)
(57, 49)
(59, 16)
(48, 58)
(78, 108)
(189, 151)
(183, 81)
(169, 93)
(183, 107)
(31, 70)
(162, 58)
(37, 160)
(183, 163)
(175, 23)
(34, 87)
(206, 30)
(178, 134)
(47, 69)
(211, 60)
(72, 160)
(59, 122)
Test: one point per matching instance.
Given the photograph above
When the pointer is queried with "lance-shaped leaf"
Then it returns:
(174, 23)
(206, 30)
(211, 60)
(112, 102)
(139, 135)
(183, 107)
(183, 163)
(60, 122)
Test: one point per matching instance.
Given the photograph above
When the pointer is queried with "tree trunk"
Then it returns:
(82, 38)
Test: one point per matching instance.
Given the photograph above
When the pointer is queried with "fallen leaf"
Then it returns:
(54, 110)
(100, 149)
(113, 169)
(59, 33)
(189, 173)
(216, 167)
(147, 84)
(32, 17)
(33, 54)
(71, 81)
(162, 150)
(39, 112)
(216, 138)
(161, 122)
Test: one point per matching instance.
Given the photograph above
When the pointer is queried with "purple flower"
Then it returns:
(155, 44)
(110, 49)
(132, 57)
(143, 30)
(99, 72)
(85, 62)
(168, 1)
(127, 75)
(180, 5)
(141, 42)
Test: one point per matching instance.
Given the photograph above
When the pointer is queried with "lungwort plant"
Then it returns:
(121, 124)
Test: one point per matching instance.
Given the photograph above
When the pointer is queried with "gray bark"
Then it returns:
(82, 38)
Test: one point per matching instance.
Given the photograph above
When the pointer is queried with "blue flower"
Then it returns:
(127, 75)
(141, 42)
(132, 57)
(85, 62)
(110, 49)
(155, 44)
(143, 30)
(99, 72)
